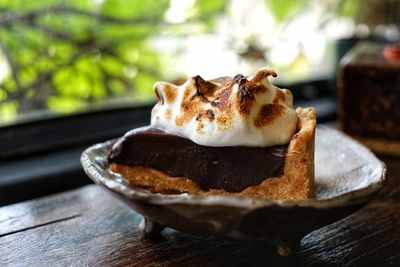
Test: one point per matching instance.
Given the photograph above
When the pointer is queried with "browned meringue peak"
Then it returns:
(227, 111)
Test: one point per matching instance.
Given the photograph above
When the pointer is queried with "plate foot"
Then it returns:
(150, 228)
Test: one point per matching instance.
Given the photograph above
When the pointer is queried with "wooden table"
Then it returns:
(89, 227)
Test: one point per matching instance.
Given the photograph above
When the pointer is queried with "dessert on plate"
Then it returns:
(236, 136)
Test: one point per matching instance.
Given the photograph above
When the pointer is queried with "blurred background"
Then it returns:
(75, 72)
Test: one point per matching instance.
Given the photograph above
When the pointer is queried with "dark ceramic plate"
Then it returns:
(347, 175)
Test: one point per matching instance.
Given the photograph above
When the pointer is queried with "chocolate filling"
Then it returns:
(229, 168)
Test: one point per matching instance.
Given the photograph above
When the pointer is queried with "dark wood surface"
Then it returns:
(89, 227)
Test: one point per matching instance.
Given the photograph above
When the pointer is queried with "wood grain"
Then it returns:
(89, 227)
(370, 237)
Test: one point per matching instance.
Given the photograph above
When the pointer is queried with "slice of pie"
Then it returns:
(229, 136)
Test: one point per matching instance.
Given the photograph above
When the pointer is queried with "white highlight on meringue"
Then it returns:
(227, 126)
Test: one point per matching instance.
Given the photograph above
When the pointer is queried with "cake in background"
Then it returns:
(369, 96)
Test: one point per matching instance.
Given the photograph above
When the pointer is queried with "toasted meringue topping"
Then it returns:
(238, 111)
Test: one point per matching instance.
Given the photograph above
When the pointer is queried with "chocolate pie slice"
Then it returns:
(227, 136)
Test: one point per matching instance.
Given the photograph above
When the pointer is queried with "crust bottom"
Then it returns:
(296, 183)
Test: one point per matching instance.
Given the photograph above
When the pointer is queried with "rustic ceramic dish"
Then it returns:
(346, 175)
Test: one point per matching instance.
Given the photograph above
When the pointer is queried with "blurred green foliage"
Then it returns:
(66, 55)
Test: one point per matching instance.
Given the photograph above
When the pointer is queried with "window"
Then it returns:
(59, 57)
(76, 72)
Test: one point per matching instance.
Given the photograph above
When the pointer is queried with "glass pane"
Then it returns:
(63, 56)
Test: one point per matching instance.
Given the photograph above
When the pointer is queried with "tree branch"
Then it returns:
(41, 79)
(30, 15)
(13, 66)
(65, 36)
